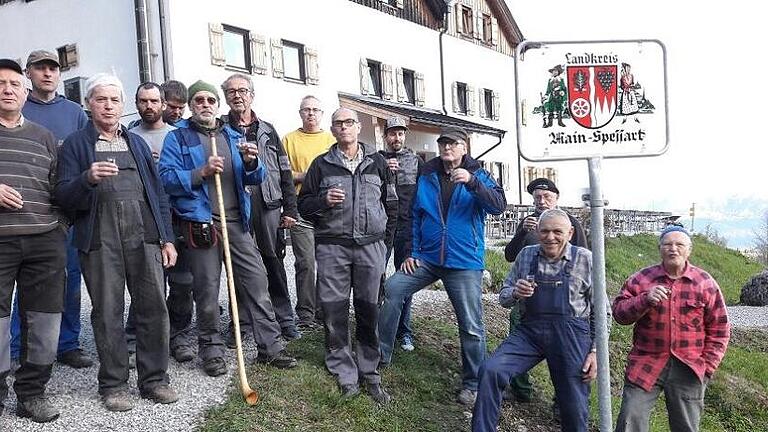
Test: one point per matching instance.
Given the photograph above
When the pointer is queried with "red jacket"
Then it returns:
(692, 324)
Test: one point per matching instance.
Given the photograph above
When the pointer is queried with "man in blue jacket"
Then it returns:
(62, 117)
(108, 181)
(453, 196)
(188, 168)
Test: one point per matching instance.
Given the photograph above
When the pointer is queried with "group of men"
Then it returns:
(144, 207)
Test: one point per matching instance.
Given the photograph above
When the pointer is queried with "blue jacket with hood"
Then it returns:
(182, 154)
(458, 241)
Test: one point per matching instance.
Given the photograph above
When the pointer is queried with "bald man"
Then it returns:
(349, 196)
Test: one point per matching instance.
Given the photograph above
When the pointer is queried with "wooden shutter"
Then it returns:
(496, 105)
(481, 103)
(455, 96)
(216, 38)
(457, 13)
(366, 86)
(310, 63)
(470, 100)
(258, 54)
(71, 54)
(477, 16)
(401, 96)
(387, 89)
(419, 89)
(277, 58)
(494, 31)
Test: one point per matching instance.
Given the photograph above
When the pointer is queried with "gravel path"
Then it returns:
(74, 391)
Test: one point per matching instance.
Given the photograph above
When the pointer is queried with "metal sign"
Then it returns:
(579, 100)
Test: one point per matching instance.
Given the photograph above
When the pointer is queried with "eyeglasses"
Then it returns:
(241, 91)
(450, 143)
(310, 110)
(346, 123)
(202, 99)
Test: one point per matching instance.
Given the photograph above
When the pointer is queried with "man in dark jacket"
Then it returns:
(545, 195)
(350, 198)
(273, 202)
(108, 180)
(453, 196)
(406, 167)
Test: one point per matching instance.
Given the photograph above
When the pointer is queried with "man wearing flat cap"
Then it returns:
(187, 168)
(61, 116)
(680, 336)
(453, 196)
(545, 195)
(406, 167)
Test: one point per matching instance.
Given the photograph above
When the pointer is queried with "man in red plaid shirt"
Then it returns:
(680, 336)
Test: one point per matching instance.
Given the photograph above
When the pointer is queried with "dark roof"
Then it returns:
(422, 115)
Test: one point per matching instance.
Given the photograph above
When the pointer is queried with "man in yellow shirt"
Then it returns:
(302, 146)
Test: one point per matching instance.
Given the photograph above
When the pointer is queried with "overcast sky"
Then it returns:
(717, 96)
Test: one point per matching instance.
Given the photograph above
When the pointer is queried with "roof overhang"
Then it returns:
(384, 109)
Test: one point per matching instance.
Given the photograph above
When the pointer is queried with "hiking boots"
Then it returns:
(281, 360)
(348, 391)
(37, 409)
(467, 397)
(183, 353)
(290, 333)
(75, 358)
(215, 366)
(378, 394)
(118, 401)
(162, 394)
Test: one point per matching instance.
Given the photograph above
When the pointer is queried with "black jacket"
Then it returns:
(524, 238)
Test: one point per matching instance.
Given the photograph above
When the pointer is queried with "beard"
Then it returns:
(150, 116)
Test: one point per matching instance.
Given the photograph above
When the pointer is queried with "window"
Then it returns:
(466, 20)
(488, 103)
(293, 61)
(487, 29)
(409, 86)
(374, 72)
(67, 56)
(461, 97)
(237, 48)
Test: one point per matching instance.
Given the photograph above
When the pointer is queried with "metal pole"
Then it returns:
(599, 296)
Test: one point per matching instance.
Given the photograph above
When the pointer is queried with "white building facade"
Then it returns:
(434, 62)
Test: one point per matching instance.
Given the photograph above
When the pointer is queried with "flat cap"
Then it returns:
(395, 122)
(453, 133)
(38, 56)
(543, 184)
(10, 64)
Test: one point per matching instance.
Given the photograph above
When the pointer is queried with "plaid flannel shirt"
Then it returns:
(692, 324)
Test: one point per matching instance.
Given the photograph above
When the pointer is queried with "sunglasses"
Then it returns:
(202, 99)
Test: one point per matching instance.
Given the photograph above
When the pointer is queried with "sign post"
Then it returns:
(592, 100)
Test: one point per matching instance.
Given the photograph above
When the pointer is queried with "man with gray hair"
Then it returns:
(32, 249)
(552, 282)
(349, 196)
(273, 202)
(108, 180)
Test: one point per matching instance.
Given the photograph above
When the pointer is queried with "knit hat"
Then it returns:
(199, 86)
(674, 228)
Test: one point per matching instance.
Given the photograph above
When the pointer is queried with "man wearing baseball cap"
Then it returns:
(61, 116)
(545, 195)
(32, 253)
(406, 167)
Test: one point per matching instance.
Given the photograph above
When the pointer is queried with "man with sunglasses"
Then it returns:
(453, 196)
(187, 168)
(349, 196)
(273, 202)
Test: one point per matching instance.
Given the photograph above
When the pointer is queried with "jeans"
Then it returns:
(465, 292)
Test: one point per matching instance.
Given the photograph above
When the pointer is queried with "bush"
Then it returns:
(498, 267)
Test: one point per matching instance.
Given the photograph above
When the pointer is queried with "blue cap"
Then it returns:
(674, 228)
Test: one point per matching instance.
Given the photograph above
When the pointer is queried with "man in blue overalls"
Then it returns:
(552, 282)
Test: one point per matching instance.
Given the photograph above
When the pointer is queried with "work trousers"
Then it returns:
(303, 245)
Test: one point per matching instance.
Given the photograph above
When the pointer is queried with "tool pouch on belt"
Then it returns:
(201, 235)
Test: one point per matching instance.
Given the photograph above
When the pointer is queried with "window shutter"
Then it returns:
(470, 100)
(401, 97)
(216, 37)
(457, 14)
(310, 62)
(71, 53)
(478, 16)
(496, 105)
(505, 175)
(365, 77)
(258, 54)
(419, 88)
(387, 90)
(277, 58)
(455, 96)
(494, 32)
(399, 4)
(481, 103)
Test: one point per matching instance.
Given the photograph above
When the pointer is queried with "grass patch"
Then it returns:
(498, 266)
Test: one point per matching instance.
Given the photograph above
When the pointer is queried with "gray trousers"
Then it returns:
(123, 258)
(250, 286)
(683, 393)
(339, 268)
(303, 244)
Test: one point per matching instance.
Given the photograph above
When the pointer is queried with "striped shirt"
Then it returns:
(28, 165)
(691, 325)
